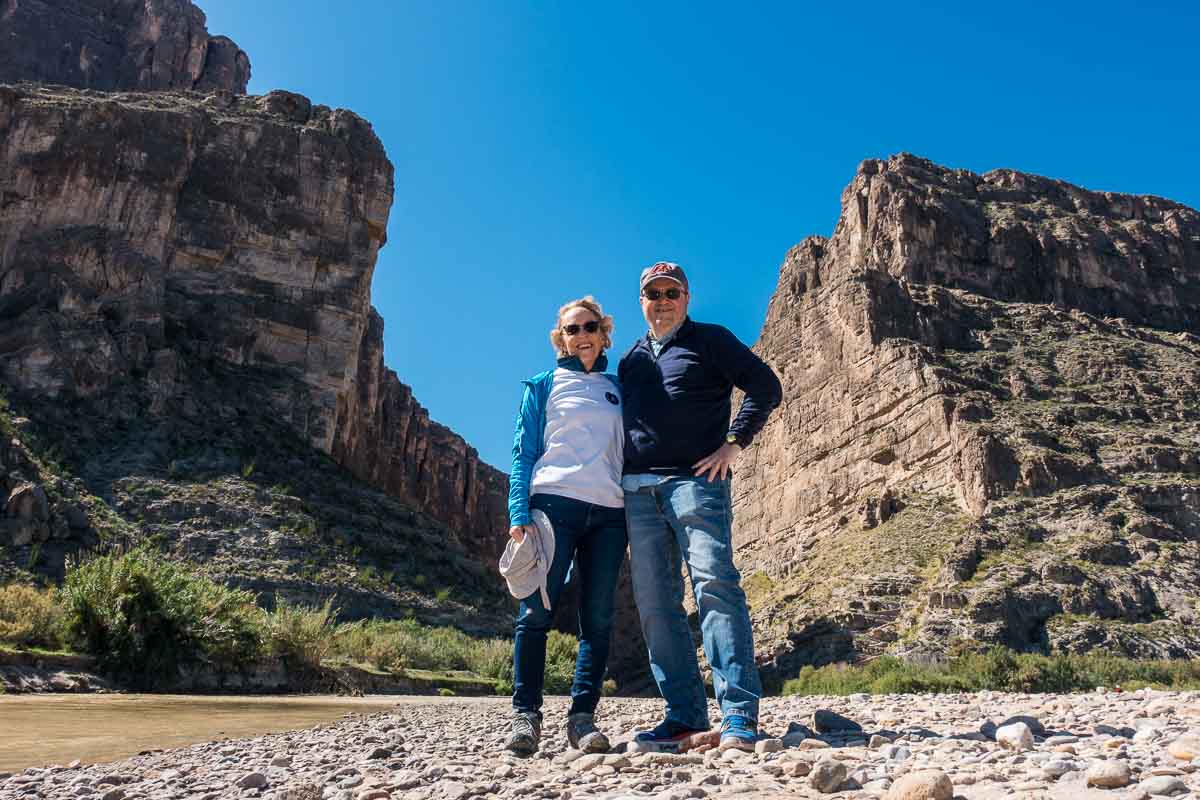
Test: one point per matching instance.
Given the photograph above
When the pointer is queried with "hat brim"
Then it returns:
(654, 278)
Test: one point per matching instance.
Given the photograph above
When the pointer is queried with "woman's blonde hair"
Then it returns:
(606, 324)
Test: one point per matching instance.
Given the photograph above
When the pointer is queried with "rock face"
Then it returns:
(148, 236)
(989, 431)
(114, 45)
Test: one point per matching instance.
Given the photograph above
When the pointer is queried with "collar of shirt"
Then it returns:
(657, 344)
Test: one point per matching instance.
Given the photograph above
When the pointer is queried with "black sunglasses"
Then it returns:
(654, 294)
(573, 329)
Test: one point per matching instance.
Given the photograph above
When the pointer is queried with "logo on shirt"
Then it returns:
(612, 398)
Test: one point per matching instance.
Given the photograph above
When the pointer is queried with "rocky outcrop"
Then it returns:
(988, 433)
(151, 237)
(117, 45)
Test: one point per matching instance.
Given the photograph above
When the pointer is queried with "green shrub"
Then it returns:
(298, 634)
(402, 644)
(560, 662)
(997, 669)
(31, 617)
(142, 615)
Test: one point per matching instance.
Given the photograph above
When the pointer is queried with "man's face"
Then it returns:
(663, 313)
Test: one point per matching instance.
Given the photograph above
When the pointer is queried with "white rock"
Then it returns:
(764, 746)
(1163, 786)
(1016, 737)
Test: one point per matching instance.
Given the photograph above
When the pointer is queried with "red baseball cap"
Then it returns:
(663, 269)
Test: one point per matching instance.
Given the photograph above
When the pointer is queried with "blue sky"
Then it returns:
(549, 150)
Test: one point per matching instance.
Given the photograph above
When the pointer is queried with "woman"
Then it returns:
(567, 459)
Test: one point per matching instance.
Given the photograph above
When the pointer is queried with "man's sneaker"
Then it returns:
(668, 736)
(526, 733)
(738, 732)
(583, 734)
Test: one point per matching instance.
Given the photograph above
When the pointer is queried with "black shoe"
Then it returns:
(526, 733)
(583, 734)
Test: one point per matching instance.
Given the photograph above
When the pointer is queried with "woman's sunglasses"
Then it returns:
(654, 294)
(573, 329)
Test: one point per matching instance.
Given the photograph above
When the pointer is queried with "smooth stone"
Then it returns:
(254, 780)
(923, 785)
(452, 790)
(1163, 786)
(1054, 741)
(1185, 748)
(1033, 723)
(826, 721)
(764, 746)
(1109, 774)
(827, 775)
(1056, 768)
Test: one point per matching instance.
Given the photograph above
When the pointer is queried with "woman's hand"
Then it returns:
(518, 532)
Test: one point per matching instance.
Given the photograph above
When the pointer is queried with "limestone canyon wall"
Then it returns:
(989, 430)
(145, 233)
(113, 45)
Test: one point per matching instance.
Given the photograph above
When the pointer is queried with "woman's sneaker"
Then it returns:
(668, 736)
(738, 733)
(583, 734)
(526, 733)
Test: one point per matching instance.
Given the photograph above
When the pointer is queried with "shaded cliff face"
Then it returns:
(114, 45)
(146, 234)
(989, 431)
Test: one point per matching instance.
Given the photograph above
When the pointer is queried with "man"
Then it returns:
(679, 450)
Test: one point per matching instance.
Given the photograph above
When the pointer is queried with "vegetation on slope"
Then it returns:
(142, 617)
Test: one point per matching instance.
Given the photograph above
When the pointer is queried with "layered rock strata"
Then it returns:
(147, 234)
(114, 45)
(989, 432)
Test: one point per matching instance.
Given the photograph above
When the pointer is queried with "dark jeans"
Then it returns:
(595, 537)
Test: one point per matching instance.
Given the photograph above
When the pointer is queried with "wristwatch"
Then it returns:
(732, 438)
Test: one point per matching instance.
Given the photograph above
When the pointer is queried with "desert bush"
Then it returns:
(143, 615)
(299, 634)
(997, 669)
(31, 617)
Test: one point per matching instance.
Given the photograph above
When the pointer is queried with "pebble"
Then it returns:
(1109, 774)
(764, 746)
(254, 780)
(827, 775)
(1185, 748)
(1163, 786)
(927, 784)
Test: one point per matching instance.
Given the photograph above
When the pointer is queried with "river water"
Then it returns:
(36, 730)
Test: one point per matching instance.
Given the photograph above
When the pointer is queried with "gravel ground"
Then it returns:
(903, 747)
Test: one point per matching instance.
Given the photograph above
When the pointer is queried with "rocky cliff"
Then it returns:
(172, 240)
(990, 430)
(113, 45)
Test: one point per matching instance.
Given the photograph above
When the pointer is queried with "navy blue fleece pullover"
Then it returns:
(677, 406)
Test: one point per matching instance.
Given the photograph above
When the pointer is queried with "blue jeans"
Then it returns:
(691, 517)
(595, 537)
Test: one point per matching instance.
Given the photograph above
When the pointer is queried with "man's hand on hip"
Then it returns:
(719, 463)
